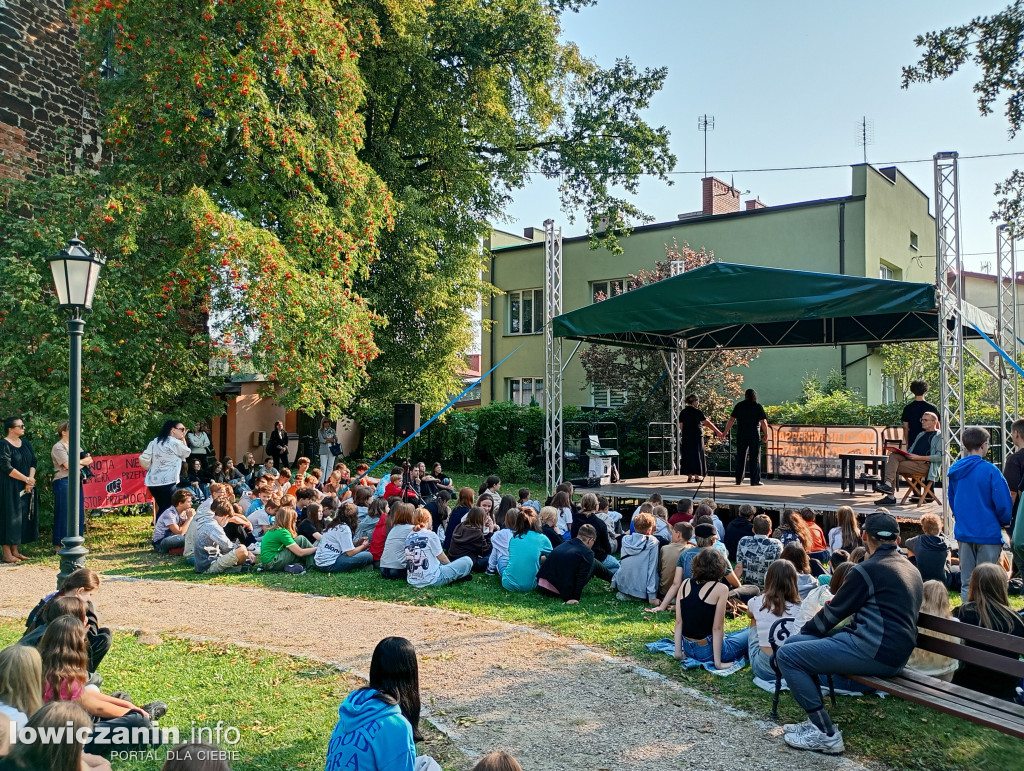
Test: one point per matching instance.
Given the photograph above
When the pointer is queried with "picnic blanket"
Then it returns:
(665, 645)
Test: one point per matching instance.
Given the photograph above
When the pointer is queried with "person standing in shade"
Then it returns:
(691, 425)
(751, 423)
(19, 523)
(328, 436)
(199, 444)
(166, 453)
(912, 413)
(277, 445)
(61, 465)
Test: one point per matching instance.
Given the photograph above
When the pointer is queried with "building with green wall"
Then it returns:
(882, 229)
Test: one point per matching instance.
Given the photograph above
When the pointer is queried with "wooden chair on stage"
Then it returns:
(919, 485)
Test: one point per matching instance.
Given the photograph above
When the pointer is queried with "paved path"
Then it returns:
(553, 704)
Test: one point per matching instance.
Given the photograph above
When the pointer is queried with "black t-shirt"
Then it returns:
(912, 417)
(748, 415)
(307, 529)
(691, 418)
(1013, 470)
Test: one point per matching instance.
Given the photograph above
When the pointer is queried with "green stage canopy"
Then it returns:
(724, 305)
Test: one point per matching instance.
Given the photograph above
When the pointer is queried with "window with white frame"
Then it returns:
(888, 389)
(609, 398)
(602, 290)
(886, 271)
(526, 390)
(526, 312)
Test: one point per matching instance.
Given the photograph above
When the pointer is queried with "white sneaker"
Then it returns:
(795, 728)
(817, 741)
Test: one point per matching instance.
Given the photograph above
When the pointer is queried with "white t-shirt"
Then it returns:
(260, 522)
(564, 520)
(393, 555)
(835, 538)
(334, 542)
(422, 548)
(499, 551)
(790, 625)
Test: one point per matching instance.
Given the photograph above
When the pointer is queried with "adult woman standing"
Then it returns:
(691, 421)
(166, 451)
(277, 445)
(18, 520)
(61, 468)
(199, 443)
(328, 436)
(751, 423)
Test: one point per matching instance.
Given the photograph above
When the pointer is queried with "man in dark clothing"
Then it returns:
(1013, 469)
(882, 598)
(568, 568)
(751, 423)
(912, 413)
(739, 528)
(605, 565)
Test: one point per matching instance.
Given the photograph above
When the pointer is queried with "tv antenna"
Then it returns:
(706, 123)
(865, 135)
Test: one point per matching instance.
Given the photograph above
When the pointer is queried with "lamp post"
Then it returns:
(76, 271)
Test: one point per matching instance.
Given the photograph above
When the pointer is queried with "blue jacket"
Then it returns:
(980, 501)
(370, 736)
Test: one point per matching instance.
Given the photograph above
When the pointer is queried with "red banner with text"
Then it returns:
(118, 480)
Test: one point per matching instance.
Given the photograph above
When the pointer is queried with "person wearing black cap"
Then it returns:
(882, 598)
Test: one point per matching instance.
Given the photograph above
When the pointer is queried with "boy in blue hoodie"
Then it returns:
(981, 505)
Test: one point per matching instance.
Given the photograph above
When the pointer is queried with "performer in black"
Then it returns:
(691, 421)
(751, 422)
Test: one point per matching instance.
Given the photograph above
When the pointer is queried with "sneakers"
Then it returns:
(294, 568)
(888, 500)
(810, 738)
(794, 728)
(883, 487)
(155, 710)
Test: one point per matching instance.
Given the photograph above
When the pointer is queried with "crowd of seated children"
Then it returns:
(83, 584)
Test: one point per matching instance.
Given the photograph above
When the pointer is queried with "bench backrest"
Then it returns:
(971, 633)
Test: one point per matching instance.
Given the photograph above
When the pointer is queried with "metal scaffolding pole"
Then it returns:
(554, 437)
(1006, 333)
(677, 383)
(950, 290)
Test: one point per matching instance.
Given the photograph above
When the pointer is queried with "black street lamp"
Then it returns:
(76, 271)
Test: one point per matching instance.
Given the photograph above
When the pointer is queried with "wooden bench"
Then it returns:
(980, 708)
(919, 485)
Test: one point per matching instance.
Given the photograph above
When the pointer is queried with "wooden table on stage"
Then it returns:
(848, 472)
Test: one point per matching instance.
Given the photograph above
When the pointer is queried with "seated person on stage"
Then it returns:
(924, 457)
(637, 577)
(215, 553)
(756, 552)
(568, 567)
(169, 532)
(882, 596)
(930, 551)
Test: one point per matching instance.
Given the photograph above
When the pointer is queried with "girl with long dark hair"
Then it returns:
(166, 452)
(390, 706)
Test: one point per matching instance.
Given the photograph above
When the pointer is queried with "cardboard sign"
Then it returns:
(813, 451)
(118, 480)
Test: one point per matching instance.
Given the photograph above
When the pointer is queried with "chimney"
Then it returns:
(533, 234)
(719, 197)
(755, 204)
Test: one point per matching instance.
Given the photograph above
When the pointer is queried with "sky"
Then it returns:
(788, 83)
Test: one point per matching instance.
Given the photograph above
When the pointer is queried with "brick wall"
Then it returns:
(40, 91)
(719, 197)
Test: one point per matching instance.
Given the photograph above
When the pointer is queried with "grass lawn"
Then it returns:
(283, 707)
(895, 732)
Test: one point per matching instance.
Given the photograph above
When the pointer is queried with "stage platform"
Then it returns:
(774, 495)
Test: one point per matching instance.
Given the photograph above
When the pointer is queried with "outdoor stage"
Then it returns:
(773, 494)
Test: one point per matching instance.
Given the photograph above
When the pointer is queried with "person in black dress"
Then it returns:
(691, 422)
(277, 445)
(751, 422)
(19, 522)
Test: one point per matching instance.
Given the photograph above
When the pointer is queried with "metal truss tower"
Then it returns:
(554, 436)
(949, 283)
(677, 384)
(1006, 332)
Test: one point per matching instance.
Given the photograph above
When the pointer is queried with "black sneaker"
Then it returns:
(888, 500)
(155, 710)
(883, 487)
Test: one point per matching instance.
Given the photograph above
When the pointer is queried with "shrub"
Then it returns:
(513, 466)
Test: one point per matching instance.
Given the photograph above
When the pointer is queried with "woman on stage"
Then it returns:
(691, 422)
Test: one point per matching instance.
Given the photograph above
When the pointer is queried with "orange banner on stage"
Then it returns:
(815, 450)
(118, 480)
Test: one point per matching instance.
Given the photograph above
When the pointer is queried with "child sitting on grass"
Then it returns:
(935, 603)
(82, 583)
(426, 563)
(336, 551)
(526, 550)
(637, 576)
(498, 558)
(282, 548)
(549, 525)
(392, 558)
(682, 532)
(470, 540)
(21, 679)
(662, 529)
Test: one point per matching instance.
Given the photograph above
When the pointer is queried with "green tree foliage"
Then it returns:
(232, 199)
(994, 44)
(716, 377)
(465, 103)
(907, 362)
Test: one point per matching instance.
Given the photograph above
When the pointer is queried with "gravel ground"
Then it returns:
(489, 685)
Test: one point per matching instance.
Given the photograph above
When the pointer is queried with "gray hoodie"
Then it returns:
(638, 575)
